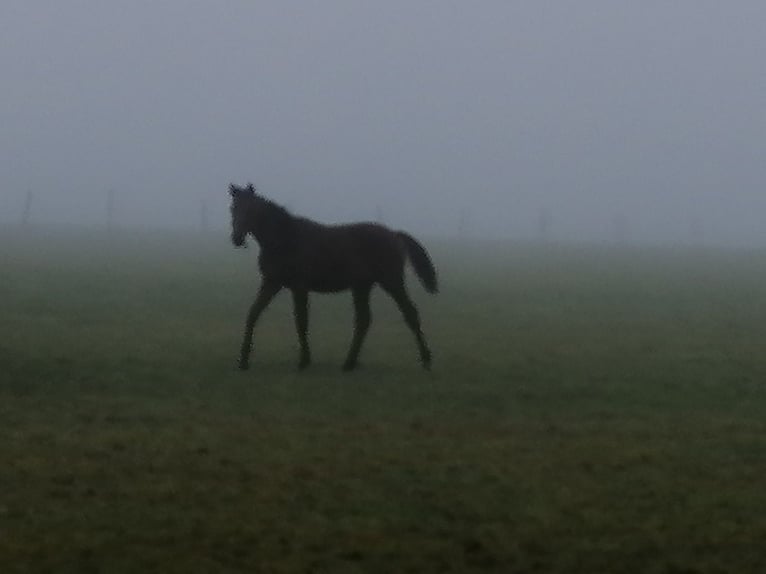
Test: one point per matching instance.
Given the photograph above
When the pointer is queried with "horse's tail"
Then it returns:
(421, 262)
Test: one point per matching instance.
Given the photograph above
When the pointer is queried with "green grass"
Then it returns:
(590, 410)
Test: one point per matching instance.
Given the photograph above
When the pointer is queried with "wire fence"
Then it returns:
(115, 208)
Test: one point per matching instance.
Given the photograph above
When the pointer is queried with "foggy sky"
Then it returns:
(652, 111)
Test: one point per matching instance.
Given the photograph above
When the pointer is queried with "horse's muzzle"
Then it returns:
(238, 240)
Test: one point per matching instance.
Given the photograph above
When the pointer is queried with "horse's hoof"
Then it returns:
(244, 365)
(426, 360)
(303, 364)
(348, 367)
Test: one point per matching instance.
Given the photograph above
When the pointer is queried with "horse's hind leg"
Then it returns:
(265, 295)
(399, 294)
(301, 312)
(362, 320)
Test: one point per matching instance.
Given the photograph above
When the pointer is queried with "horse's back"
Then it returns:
(337, 257)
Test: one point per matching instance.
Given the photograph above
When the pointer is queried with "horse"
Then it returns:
(302, 256)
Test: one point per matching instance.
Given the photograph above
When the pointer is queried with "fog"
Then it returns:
(638, 121)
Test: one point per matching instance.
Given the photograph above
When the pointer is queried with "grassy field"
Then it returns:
(590, 410)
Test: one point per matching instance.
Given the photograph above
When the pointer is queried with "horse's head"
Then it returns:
(242, 201)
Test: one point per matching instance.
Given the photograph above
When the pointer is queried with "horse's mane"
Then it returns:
(274, 211)
(274, 226)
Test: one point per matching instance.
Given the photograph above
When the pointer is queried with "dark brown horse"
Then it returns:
(302, 255)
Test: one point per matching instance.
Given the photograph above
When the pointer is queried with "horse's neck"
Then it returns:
(275, 236)
(267, 242)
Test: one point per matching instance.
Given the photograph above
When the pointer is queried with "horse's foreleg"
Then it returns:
(362, 320)
(301, 312)
(265, 294)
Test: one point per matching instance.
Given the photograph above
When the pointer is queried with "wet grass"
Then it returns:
(590, 410)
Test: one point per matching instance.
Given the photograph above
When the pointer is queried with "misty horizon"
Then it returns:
(643, 122)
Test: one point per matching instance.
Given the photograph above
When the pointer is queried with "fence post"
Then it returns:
(696, 231)
(110, 210)
(544, 223)
(620, 228)
(203, 220)
(26, 214)
(462, 223)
